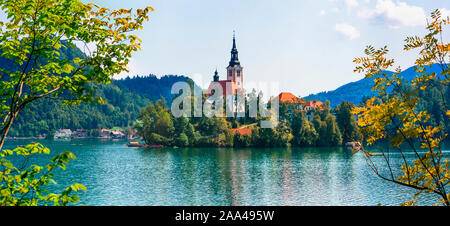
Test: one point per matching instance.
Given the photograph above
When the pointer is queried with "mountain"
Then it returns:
(354, 92)
(152, 87)
(125, 99)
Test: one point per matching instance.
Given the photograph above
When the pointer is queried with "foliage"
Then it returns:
(156, 124)
(303, 131)
(154, 88)
(397, 117)
(242, 140)
(31, 40)
(213, 126)
(327, 128)
(279, 136)
(346, 122)
(122, 108)
(25, 186)
(33, 35)
(182, 140)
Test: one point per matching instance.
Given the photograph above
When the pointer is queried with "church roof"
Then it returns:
(234, 54)
(228, 87)
(216, 76)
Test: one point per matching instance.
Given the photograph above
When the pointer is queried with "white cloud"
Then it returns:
(395, 15)
(347, 30)
(351, 3)
(322, 12)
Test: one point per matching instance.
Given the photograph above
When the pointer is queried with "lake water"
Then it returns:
(115, 174)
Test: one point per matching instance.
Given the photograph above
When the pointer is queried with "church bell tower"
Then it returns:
(234, 69)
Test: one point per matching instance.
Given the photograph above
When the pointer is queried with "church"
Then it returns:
(234, 83)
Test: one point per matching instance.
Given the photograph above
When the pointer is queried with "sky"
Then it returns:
(306, 46)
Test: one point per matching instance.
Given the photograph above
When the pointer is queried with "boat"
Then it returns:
(136, 145)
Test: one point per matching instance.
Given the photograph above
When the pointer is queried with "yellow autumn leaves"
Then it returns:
(394, 117)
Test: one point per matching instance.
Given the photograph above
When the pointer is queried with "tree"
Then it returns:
(326, 127)
(156, 125)
(347, 123)
(213, 126)
(302, 130)
(182, 140)
(399, 120)
(242, 140)
(333, 133)
(279, 136)
(192, 135)
(181, 124)
(31, 40)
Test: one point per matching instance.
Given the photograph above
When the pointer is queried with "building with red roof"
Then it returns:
(290, 101)
(312, 105)
(289, 98)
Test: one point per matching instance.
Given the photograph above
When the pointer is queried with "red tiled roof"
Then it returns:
(290, 98)
(315, 104)
(228, 87)
(242, 131)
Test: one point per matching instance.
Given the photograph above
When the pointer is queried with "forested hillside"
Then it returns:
(354, 92)
(125, 99)
(152, 87)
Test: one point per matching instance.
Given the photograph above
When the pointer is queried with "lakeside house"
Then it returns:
(312, 105)
(299, 103)
(293, 102)
(109, 134)
(104, 133)
(80, 133)
(63, 134)
(289, 98)
(118, 135)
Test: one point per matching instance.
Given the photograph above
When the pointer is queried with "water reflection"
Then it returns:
(117, 175)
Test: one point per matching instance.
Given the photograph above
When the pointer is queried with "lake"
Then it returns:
(115, 174)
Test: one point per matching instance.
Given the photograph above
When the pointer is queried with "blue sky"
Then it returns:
(306, 45)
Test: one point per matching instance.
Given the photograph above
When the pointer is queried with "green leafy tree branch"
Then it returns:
(31, 39)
